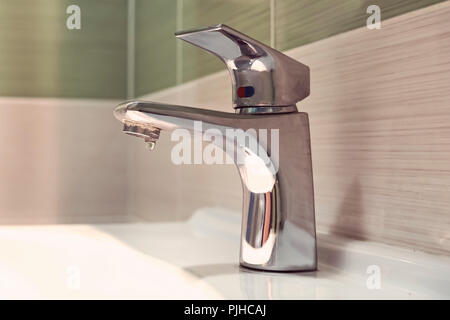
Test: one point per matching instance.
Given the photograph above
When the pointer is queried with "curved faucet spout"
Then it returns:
(278, 227)
(242, 146)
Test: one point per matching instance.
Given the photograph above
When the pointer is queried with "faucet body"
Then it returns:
(278, 220)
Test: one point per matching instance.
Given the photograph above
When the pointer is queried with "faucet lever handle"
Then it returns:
(261, 76)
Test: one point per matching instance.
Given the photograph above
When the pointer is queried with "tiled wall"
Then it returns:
(61, 160)
(63, 156)
(285, 24)
(380, 170)
(298, 22)
(40, 57)
(379, 115)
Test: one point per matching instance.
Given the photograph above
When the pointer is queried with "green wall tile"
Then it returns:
(40, 57)
(251, 17)
(298, 22)
(155, 45)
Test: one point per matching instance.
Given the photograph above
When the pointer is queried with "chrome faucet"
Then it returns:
(278, 222)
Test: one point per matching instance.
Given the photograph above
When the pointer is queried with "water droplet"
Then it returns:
(150, 145)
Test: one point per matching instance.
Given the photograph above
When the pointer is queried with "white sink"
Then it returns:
(84, 262)
(198, 259)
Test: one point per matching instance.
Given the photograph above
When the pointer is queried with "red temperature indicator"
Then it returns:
(245, 92)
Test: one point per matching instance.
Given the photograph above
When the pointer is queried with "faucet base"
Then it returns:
(278, 223)
(278, 269)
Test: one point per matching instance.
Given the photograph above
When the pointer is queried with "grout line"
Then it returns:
(58, 101)
(130, 194)
(272, 23)
(131, 42)
(179, 47)
(179, 81)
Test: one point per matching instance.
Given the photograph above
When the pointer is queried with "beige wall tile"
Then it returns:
(61, 161)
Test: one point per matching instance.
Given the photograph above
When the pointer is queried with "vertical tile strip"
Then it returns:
(272, 23)
(131, 48)
(179, 61)
(156, 46)
(131, 84)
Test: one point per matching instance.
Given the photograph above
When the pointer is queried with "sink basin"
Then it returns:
(198, 259)
(83, 262)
